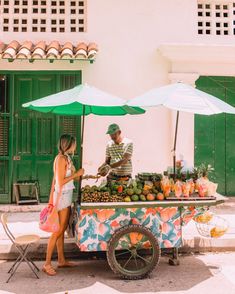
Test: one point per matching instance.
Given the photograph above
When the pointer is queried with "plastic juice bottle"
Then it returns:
(178, 189)
(192, 187)
(202, 190)
(186, 189)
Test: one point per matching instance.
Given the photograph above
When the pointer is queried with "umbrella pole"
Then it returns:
(81, 155)
(175, 140)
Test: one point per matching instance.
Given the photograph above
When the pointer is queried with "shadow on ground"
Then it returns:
(191, 272)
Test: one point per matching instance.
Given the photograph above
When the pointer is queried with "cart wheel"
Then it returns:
(133, 252)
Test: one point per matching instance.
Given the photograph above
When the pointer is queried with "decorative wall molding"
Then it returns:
(198, 53)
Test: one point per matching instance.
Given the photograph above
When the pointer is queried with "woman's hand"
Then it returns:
(50, 205)
(79, 173)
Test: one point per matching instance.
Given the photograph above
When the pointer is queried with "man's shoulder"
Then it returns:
(110, 143)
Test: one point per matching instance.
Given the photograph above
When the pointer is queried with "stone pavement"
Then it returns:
(24, 220)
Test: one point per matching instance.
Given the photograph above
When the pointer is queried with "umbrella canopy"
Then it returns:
(83, 100)
(182, 97)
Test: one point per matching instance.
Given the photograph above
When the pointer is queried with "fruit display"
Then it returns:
(152, 177)
(117, 191)
(149, 187)
(97, 194)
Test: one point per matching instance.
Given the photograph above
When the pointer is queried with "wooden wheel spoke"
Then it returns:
(144, 259)
(127, 262)
(122, 253)
(136, 264)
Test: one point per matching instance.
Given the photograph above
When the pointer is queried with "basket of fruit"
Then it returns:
(210, 225)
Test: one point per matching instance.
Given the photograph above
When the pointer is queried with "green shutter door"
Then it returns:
(35, 134)
(4, 140)
(230, 138)
(214, 135)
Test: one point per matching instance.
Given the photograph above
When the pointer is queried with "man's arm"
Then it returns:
(126, 158)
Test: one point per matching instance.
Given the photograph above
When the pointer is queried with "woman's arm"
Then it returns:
(52, 190)
(61, 172)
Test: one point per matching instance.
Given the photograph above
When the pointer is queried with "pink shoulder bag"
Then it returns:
(49, 217)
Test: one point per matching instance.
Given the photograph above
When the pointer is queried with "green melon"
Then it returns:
(135, 197)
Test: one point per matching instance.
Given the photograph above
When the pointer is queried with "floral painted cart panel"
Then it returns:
(96, 226)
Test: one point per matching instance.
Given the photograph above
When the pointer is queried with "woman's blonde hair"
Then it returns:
(65, 142)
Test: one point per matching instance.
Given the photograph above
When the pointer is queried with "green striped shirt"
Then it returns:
(116, 152)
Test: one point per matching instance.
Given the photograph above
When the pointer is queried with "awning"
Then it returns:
(48, 51)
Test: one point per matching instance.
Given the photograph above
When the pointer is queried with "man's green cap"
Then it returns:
(112, 129)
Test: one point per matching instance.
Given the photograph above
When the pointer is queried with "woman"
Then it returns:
(62, 187)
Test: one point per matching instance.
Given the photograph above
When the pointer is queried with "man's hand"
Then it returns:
(104, 169)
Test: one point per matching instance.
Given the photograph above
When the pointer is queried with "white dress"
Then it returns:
(66, 196)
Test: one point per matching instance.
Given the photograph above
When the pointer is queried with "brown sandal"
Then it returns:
(49, 270)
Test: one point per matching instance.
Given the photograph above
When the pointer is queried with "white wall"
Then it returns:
(128, 33)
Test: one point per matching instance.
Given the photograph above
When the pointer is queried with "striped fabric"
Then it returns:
(116, 151)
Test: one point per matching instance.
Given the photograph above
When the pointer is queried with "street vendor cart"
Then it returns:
(133, 220)
(133, 234)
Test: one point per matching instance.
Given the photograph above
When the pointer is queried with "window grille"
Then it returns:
(216, 18)
(51, 16)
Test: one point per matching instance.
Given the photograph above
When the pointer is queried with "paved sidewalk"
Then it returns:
(196, 274)
(26, 222)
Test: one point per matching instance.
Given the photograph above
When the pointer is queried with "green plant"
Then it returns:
(202, 170)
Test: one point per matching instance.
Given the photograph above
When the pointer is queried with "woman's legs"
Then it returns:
(63, 218)
(62, 262)
(60, 240)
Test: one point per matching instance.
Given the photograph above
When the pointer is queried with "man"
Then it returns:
(118, 154)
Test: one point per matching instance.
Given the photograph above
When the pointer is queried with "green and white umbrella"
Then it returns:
(83, 100)
(182, 97)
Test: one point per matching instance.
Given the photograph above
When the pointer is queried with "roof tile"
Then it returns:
(42, 50)
(25, 50)
(67, 51)
(39, 50)
(81, 51)
(92, 49)
(11, 49)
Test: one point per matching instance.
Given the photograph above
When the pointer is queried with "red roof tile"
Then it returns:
(39, 50)
(53, 50)
(67, 50)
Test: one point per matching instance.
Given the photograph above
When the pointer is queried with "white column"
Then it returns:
(185, 138)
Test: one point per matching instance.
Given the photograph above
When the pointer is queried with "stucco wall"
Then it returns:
(128, 33)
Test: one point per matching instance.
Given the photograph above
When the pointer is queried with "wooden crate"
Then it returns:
(26, 192)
